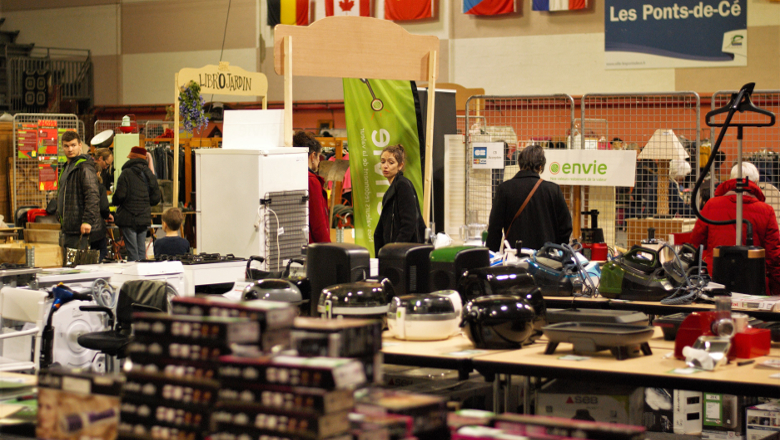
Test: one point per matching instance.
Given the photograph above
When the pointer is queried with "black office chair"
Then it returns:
(134, 296)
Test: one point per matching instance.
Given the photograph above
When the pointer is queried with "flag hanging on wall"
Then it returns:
(400, 10)
(352, 8)
(488, 7)
(294, 12)
(559, 5)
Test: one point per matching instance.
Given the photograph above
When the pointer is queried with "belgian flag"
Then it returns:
(294, 12)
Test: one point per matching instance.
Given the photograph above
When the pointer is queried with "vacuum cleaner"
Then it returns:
(741, 268)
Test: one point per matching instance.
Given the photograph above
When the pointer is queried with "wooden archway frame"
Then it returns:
(250, 84)
(359, 47)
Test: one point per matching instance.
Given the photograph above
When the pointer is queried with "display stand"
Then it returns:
(221, 80)
(367, 48)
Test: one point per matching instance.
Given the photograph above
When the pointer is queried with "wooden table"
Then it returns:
(648, 307)
(455, 353)
(654, 370)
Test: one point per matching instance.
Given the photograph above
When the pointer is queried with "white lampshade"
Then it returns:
(663, 145)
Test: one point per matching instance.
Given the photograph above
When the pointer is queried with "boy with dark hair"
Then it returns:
(78, 196)
(171, 244)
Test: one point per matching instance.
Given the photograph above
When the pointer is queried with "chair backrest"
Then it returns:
(144, 292)
(23, 304)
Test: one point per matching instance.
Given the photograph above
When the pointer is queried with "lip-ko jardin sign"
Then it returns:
(590, 167)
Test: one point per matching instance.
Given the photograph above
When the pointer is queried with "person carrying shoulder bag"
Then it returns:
(528, 208)
(136, 192)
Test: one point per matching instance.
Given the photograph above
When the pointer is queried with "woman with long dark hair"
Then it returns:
(401, 220)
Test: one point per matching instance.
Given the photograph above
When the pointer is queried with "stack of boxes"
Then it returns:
(286, 398)
(172, 388)
(360, 339)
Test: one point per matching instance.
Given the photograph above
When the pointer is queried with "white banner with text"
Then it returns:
(590, 167)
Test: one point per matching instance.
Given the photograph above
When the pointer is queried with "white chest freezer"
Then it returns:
(231, 219)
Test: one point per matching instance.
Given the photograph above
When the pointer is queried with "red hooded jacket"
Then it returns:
(319, 229)
(765, 232)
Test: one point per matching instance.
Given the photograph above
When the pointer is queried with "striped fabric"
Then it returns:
(559, 5)
(293, 12)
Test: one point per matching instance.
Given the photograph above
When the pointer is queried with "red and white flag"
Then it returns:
(354, 8)
(402, 10)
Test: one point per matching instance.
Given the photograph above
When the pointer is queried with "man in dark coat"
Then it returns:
(136, 192)
(546, 217)
(78, 196)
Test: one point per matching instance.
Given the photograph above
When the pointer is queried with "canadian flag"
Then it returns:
(356, 8)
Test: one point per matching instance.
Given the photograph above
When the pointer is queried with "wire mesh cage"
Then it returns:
(515, 121)
(155, 129)
(759, 145)
(664, 130)
(286, 223)
(107, 124)
(38, 156)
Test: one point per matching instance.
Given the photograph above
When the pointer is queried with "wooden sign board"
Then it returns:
(225, 80)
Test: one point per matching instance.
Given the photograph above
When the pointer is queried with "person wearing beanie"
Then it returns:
(136, 192)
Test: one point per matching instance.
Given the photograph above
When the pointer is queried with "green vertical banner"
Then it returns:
(378, 113)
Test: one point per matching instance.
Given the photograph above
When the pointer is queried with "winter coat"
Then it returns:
(546, 218)
(401, 220)
(319, 229)
(135, 195)
(78, 197)
(765, 232)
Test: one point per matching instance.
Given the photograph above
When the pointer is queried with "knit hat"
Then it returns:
(137, 153)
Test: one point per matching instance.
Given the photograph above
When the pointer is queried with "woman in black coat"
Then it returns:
(136, 192)
(401, 220)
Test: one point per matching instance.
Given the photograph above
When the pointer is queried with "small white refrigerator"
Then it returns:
(237, 193)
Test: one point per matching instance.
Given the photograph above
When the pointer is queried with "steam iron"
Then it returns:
(555, 272)
(637, 275)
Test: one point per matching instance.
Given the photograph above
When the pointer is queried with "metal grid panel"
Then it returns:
(153, 129)
(651, 124)
(106, 124)
(25, 184)
(519, 121)
(291, 209)
(759, 145)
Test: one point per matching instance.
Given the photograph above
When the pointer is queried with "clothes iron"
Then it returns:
(637, 275)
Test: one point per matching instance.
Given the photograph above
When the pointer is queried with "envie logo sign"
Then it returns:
(590, 167)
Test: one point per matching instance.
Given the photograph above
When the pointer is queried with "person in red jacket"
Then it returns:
(319, 229)
(724, 207)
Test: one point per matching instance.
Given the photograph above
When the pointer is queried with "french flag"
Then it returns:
(559, 5)
(488, 7)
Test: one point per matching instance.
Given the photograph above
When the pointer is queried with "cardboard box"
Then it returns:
(658, 410)
(77, 405)
(688, 412)
(724, 416)
(763, 421)
(594, 402)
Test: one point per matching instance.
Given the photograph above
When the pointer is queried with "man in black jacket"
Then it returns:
(136, 192)
(545, 218)
(78, 196)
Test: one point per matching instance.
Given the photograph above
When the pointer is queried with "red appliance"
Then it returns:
(749, 343)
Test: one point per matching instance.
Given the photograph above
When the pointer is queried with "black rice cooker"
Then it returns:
(361, 299)
(498, 321)
(495, 280)
(272, 289)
